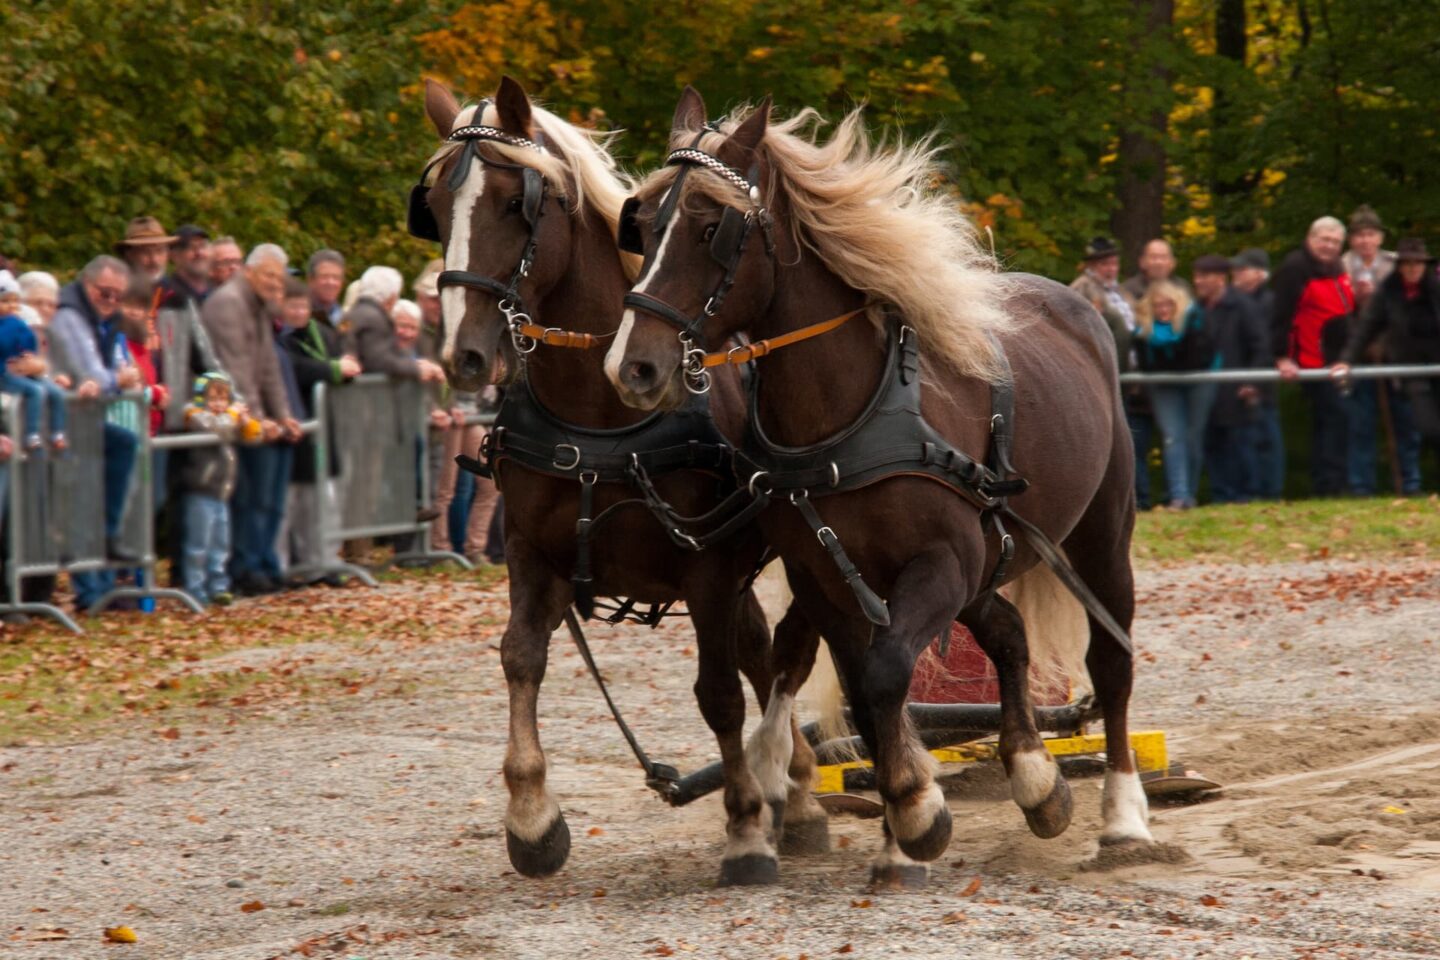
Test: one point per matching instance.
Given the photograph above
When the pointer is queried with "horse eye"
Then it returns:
(709, 233)
(515, 204)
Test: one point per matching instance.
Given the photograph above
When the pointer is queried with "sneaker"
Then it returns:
(58, 443)
(118, 552)
(223, 598)
(33, 442)
(426, 514)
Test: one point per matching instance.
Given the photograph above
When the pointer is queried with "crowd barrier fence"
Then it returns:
(1272, 375)
(54, 503)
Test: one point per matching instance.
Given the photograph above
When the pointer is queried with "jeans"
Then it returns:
(207, 546)
(1270, 453)
(36, 393)
(1181, 412)
(1232, 458)
(257, 509)
(480, 502)
(1142, 428)
(1363, 407)
(1329, 432)
(120, 448)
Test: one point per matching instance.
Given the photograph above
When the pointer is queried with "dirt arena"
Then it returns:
(368, 825)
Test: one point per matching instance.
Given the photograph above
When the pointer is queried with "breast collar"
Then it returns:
(890, 438)
(531, 435)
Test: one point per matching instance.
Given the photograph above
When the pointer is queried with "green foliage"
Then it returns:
(302, 122)
(269, 119)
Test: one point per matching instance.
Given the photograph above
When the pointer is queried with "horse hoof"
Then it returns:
(1052, 816)
(751, 870)
(805, 837)
(930, 844)
(901, 876)
(542, 857)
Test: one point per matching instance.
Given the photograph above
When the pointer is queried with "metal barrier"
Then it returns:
(56, 502)
(378, 429)
(1271, 375)
(56, 511)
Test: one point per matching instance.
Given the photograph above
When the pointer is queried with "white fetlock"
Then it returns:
(1125, 809)
(1032, 777)
(768, 752)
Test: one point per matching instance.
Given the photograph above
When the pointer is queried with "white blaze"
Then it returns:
(616, 354)
(457, 255)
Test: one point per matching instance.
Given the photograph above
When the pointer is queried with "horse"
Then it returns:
(516, 192)
(870, 287)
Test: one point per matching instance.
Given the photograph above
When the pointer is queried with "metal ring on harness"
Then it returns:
(697, 378)
(574, 450)
(751, 484)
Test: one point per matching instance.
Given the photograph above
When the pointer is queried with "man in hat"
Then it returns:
(1404, 316)
(1243, 343)
(1099, 283)
(189, 281)
(1157, 263)
(1368, 267)
(146, 248)
(1250, 277)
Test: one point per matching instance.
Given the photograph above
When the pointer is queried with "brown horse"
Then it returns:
(850, 230)
(515, 192)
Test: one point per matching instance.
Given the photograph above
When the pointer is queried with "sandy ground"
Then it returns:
(369, 826)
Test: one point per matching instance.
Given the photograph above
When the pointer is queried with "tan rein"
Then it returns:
(555, 337)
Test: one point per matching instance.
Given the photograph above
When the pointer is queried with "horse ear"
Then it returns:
(513, 105)
(441, 107)
(690, 111)
(748, 135)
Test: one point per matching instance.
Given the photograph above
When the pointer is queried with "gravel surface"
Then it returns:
(368, 825)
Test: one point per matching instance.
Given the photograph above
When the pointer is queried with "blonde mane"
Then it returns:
(873, 214)
(578, 160)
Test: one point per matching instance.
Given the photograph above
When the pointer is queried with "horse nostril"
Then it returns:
(639, 376)
(471, 365)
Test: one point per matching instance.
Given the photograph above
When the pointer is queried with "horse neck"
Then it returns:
(811, 389)
(571, 383)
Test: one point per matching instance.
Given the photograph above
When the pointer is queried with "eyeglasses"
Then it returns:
(108, 294)
(227, 262)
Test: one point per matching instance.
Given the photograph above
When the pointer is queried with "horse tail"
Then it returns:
(1056, 630)
(823, 700)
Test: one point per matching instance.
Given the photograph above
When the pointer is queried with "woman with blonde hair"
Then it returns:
(1171, 337)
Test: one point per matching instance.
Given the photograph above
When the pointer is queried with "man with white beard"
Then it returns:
(146, 248)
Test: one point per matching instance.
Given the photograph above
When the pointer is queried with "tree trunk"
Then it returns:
(1140, 214)
(1231, 186)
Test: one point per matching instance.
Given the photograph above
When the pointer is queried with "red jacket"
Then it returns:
(160, 396)
(1324, 299)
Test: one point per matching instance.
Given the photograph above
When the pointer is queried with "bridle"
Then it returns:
(727, 246)
(525, 335)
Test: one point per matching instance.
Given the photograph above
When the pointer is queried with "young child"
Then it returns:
(22, 370)
(208, 481)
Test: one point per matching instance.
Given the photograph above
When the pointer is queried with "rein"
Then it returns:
(761, 348)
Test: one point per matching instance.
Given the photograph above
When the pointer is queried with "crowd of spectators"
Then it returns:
(219, 341)
(1325, 307)
(232, 344)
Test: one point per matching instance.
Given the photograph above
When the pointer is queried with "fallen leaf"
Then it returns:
(55, 933)
(845, 949)
(860, 904)
(120, 935)
(599, 892)
(1209, 901)
(954, 917)
(971, 889)
(595, 831)
(171, 734)
(254, 906)
(1394, 809)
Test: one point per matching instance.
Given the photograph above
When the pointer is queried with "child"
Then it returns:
(22, 370)
(208, 481)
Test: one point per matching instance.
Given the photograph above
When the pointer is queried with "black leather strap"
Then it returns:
(871, 605)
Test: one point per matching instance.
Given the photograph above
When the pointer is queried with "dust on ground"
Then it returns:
(369, 825)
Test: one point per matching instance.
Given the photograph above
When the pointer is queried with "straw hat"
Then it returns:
(143, 231)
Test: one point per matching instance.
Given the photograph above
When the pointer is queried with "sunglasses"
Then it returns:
(108, 294)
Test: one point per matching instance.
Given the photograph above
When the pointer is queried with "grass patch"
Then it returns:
(1300, 530)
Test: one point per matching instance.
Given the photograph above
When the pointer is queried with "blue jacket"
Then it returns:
(16, 338)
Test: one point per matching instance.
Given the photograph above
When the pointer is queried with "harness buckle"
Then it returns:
(709, 309)
(750, 485)
(820, 535)
(573, 450)
(690, 541)
(834, 474)
(588, 477)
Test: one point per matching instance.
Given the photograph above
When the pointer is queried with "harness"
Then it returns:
(530, 435)
(890, 438)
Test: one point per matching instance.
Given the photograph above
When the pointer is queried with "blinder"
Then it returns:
(534, 194)
(628, 238)
(729, 236)
(419, 218)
